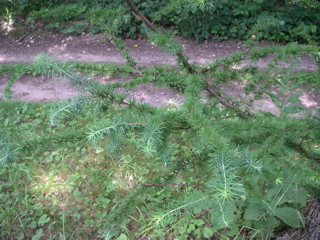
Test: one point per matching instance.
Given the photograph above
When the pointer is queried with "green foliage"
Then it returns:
(281, 21)
(271, 20)
(83, 16)
(59, 16)
(192, 19)
(199, 177)
(287, 105)
(26, 6)
(126, 170)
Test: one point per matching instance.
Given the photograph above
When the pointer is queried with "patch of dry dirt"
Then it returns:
(96, 48)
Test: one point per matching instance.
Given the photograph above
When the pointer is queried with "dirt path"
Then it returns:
(96, 48)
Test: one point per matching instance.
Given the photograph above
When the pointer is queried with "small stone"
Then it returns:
(213, 55)
(28, 45)
(83, 33)
(32, 42)
(84, 51)
(62, 41)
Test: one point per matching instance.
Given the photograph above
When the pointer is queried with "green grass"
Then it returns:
(68, 190)
(56, 183)
(61, 189)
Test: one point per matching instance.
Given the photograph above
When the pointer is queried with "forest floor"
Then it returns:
(97, 48)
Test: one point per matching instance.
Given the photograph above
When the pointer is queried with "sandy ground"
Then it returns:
(97, 48)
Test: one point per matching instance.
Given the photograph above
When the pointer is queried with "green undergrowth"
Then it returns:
(63, 186)
(105, 166)
(100, 166)
(283, 21)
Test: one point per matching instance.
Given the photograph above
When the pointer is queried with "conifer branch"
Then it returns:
(221, 214)
(225, 103)
(8, 156)
(300, 149)
(178, 208)
(316, 118)
(99, 130)
(182, 185)
(141, 17)
(141, 107)
(187, 65)
(119, 43)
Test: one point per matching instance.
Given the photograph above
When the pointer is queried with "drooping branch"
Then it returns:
(186, 64)
(300, 149)
(225, 103)
(316, 118)
(141, 17)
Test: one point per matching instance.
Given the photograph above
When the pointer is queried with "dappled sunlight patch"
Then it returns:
(127, 173)
(308, 101)
(6, 24)
(50, 184)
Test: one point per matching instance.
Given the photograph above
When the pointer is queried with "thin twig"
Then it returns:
(224, 102)
(141, 17)
(23, 37)
(203, 212)
(167, 184)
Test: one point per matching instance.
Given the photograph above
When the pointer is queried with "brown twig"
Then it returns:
(225, 103)
(223, 117)
(23, 37)
(316, 118)
(300, 149)
(141, 17)
(186, 64)
(203, 212)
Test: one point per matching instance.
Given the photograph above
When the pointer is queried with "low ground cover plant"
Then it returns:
(200, 20)
(102, 166)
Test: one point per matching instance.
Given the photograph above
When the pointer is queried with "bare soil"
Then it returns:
(97, 48)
